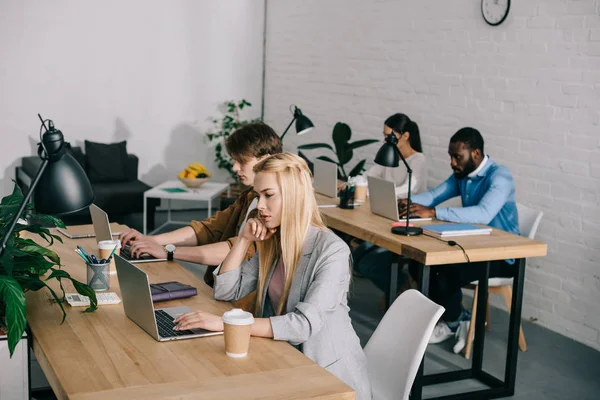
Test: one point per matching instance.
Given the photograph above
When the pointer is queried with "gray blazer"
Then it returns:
(316, 318)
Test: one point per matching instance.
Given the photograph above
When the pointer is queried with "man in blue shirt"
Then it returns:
(487, 191)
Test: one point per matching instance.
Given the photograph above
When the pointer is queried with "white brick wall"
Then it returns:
(530, 85)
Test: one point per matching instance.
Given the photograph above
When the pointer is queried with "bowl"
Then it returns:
(193, 183)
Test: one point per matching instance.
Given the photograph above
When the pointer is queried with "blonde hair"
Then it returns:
(298, 212)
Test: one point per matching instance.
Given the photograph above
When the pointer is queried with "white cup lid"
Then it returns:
(237, 316)
(109, 244)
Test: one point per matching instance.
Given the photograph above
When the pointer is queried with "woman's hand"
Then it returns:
(199, 320)
(255, 230)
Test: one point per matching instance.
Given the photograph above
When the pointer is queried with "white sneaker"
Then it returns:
(441, 333)
(461, 336)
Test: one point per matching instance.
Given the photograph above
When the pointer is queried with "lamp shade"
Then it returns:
(387, 156)
(63, 188)
(303, 124)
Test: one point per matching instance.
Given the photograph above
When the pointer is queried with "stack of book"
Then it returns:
(449, 230)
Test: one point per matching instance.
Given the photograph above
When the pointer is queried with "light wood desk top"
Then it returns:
(363, 224)
(104, 355)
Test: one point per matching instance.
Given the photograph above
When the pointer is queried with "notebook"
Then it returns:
(171, 290)
(448, 230)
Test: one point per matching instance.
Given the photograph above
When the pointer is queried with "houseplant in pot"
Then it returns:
(344, 150)
(223, 127)
(26, 265)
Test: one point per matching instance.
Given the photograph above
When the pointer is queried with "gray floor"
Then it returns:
(554, 367)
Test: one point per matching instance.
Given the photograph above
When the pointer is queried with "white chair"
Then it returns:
(397, 346)
(529, 220)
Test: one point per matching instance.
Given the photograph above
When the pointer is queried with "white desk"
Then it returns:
(207, 192)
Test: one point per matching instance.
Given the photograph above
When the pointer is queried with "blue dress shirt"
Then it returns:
(488, 198)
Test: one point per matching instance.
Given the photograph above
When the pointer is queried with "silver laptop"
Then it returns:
(325, 174)
(382, 198)
(103, 232)
(137, 302)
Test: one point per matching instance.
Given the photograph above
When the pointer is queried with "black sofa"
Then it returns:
(118, 199)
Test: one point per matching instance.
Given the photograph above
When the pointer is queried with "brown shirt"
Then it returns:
(225, 225)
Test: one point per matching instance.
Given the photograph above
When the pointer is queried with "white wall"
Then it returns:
(530, 85)
(151, 72)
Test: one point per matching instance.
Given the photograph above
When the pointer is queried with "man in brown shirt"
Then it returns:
(208, 242)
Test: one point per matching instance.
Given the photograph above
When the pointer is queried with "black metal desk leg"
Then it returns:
(390, 296)
(514, 326)
(482, 300)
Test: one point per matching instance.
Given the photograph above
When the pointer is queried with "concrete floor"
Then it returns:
(554, 367)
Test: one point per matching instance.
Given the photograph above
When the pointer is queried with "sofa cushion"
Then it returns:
(120, 197)
(106, 162)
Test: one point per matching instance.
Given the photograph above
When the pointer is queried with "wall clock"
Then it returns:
(495, 11)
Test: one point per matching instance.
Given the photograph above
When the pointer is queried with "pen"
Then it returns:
(84, 253)
(81, 255)
(327, 205)
(94, 259)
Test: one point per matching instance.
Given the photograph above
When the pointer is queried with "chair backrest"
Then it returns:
(397, 346)
(529, 220)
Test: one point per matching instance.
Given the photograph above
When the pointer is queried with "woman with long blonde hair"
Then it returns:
(301, 273)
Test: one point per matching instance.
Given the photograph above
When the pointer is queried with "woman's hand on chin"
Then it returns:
(255, 230)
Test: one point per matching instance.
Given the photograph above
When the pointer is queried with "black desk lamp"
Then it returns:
(303, 124)
(61, 185)
(387, 156)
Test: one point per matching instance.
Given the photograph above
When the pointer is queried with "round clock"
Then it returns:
(495, 11)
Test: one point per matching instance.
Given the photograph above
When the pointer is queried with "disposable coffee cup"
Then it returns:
(105, 247)
(360, 193)
(237, 324)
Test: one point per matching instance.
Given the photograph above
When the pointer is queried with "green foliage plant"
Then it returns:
(26, 265)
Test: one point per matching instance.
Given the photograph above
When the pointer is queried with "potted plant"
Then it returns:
(26, 265)
(344, 150)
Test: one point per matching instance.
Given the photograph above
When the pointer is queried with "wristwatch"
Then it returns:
(170, 249)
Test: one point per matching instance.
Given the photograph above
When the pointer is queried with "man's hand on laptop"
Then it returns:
(147, 245)
(199, 320)
(416, 210)
(131, 235)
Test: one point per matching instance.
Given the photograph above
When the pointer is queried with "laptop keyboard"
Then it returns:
(165, 325)
(127, 255)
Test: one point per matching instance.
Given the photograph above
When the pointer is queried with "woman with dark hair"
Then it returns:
(371, 261)
(409, 144)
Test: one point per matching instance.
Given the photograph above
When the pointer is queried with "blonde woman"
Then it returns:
(301, 272)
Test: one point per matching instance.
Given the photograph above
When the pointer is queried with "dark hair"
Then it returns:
(400, 123)
(255, 139)
(470, 137)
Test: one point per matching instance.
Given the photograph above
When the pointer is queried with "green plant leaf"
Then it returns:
(29, 282)
(341, 135)
(16, 319)
(313, 146)
(325, 158)
(30, 247)
(345, 156)
(361, 143)
(358, 169)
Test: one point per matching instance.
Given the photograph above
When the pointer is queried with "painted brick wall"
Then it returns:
(530, 85)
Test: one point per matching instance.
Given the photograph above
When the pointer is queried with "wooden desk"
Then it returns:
(105, 355)
(428, 251)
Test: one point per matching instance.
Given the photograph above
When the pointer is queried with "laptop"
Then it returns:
(103, 232)
(382, 198)
(137, 302)
(325, 174)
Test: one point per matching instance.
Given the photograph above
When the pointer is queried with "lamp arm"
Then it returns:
(408, 169)
(288, 128)
(22, 206)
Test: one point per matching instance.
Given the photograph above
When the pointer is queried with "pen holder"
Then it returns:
(347, 197)
(98, 276)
